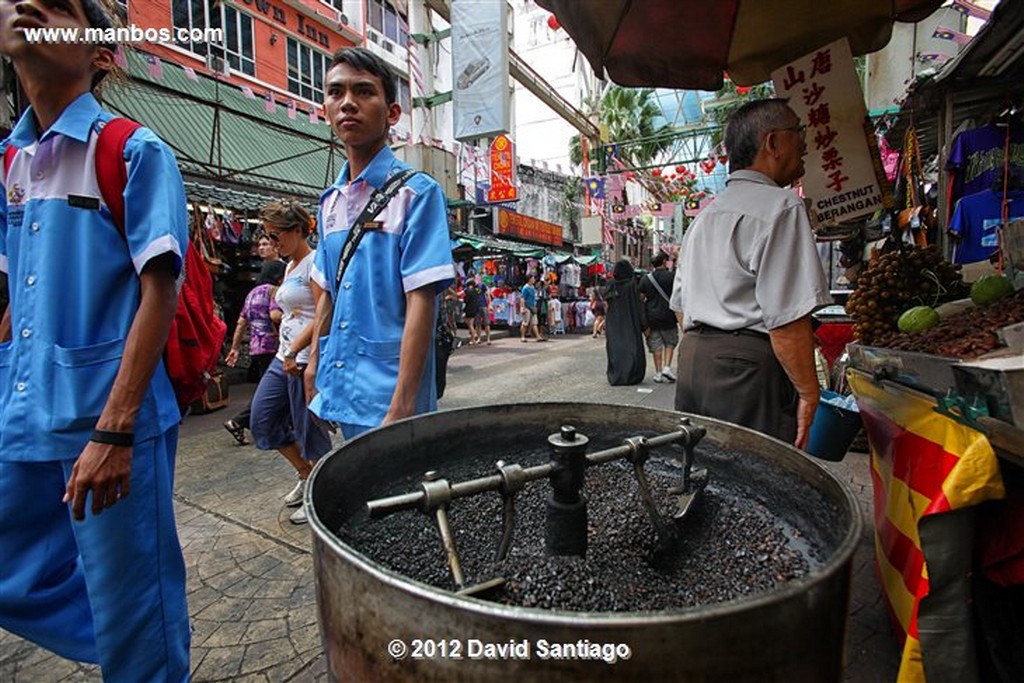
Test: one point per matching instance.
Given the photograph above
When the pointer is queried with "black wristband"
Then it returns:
(113, 438)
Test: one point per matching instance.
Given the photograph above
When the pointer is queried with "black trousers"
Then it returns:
(735, 376)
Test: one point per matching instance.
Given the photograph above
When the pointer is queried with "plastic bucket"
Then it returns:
(833, 429)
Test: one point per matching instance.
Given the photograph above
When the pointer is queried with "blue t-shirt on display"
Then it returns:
(975, 221)
(978, 156)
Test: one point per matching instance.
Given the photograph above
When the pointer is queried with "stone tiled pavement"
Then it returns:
(250, 580)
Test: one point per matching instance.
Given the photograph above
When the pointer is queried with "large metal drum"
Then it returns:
(793, 633)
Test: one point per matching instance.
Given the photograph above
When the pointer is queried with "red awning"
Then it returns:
(688, 44)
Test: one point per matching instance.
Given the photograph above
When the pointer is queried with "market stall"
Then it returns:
(938, 373)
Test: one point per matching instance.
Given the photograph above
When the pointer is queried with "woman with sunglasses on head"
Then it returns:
(279, 418)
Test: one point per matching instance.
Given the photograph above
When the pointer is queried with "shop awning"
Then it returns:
(222, 138)
(704, 38)
(487, 245)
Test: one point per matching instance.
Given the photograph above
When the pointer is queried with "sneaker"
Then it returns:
(294, 497)
(658, 379)
(668, 374)
(299, 516)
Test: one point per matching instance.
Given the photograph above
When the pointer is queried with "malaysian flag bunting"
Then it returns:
(269, 105)
(190, 73)
(247, 91)
(922, 464)
(415, 72)
(609, 238)
(313, 118)
(120, 58)
(970, 9)
(933, 57)
(154, 66)
(595, 188)
(944, 33)
(291, 109)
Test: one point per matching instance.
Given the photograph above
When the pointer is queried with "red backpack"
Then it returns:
(194, 343)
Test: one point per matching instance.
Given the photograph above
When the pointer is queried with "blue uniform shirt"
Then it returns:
(358, 366)
(74, 283)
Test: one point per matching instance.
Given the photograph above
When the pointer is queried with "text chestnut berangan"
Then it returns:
(544, 649)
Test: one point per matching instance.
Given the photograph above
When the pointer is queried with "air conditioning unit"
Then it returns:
(342, 19)
(389, 46)
(375, 37)
(218, 64)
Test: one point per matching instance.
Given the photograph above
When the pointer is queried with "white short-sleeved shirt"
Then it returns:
(749, 260)
(295, 297)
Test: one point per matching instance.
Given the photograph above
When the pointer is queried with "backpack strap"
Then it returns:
(111, 171)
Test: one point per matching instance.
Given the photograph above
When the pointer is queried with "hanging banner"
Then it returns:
(822, 88)
(480, 93)
(528, 228)
(503, 166)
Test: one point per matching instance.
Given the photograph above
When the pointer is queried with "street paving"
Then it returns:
(250, 576)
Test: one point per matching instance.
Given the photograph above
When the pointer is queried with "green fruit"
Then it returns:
(989, 289)
(918, 319)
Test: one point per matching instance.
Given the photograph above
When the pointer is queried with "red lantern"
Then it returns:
(742, 90)
(656, 172)
(629, 175)
(681, 170)
(553, 23)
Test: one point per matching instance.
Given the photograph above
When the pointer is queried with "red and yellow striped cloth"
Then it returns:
(922, 463)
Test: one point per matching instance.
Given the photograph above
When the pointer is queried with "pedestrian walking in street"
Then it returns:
(748, 279)
(529, 311)
(280, 419)
(627, 363)
(483, 314)
(597, 307)
(472, 308)
(445, 337)
(90, 563)
(383, 258)
(258, 313)
(661, 331)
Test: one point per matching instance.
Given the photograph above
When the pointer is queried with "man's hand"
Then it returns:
(309, 378)
(103, 469)
(232, 358)
(804, 415)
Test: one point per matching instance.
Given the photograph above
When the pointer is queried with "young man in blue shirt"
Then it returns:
(91, 565)
(372, 360)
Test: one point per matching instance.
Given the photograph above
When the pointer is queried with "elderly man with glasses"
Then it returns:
(747, 280)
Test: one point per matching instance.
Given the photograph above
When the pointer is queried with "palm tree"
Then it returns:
(628, 114)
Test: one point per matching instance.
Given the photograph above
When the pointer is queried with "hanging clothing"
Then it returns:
(627, 360)
(978, 155)
(975, 221)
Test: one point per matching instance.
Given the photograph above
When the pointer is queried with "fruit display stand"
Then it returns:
(947, 464)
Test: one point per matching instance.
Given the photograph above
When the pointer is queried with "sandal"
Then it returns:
(237, 431)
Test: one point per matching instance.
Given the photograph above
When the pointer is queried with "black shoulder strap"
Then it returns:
(378, 200)
(650, 276)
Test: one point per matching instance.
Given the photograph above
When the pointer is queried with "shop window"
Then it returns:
(404, 98)
(236, 48)
(306, 68)
(386, 20)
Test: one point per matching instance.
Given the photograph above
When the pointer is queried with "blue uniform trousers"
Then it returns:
(109, 589)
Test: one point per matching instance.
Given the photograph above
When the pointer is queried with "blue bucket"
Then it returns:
(833, 429)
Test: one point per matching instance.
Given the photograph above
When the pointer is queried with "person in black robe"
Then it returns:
(627, 360)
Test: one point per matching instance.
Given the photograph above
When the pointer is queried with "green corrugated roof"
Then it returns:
(258, 150)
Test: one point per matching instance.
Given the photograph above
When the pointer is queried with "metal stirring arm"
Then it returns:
(639, 452)
(694, 480)
(512, 481)
(437, 493)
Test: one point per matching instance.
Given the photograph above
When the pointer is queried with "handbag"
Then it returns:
(217, 395)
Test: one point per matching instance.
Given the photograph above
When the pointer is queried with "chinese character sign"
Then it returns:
(823, 90)
(528, 228)
(503, 163)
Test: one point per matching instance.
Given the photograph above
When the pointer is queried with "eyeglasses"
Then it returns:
(274, 237)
